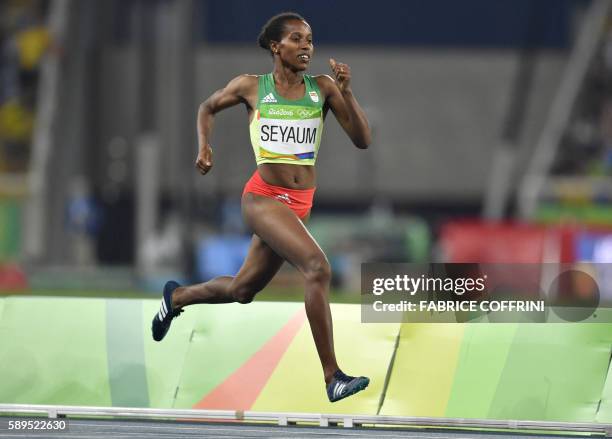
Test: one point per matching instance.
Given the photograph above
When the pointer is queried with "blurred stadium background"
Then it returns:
(492, 126)
(482, 113)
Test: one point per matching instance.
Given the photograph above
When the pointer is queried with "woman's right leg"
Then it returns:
(259, 267)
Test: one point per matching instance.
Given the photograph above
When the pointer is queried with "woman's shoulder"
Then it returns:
(324, 82)
(243, 83)
(247, 78)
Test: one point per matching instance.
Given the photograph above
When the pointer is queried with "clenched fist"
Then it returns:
(204, 160)
(342, 73)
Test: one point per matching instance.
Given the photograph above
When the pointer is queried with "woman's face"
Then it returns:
(295, 48)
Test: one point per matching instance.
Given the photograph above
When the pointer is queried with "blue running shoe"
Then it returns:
(161, 321)
(343, 385)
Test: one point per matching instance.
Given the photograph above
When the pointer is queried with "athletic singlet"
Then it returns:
(286, 130)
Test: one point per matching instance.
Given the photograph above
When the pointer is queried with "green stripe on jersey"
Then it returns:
(288, 112)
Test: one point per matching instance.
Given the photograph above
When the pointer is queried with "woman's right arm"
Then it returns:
(237, 91)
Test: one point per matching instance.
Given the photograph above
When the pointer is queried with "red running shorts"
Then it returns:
(298, 200)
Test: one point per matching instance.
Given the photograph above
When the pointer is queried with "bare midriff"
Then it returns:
(289, 176)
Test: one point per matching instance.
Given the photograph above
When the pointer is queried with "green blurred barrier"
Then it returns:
(589, 214)
(99, 352)
(10, 229)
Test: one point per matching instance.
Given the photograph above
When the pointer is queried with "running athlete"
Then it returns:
(286, 110)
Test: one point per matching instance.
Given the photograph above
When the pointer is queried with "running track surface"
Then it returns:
(118, 429)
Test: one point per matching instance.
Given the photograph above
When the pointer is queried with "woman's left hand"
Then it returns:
(342, 73)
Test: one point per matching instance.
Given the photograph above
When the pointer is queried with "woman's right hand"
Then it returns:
(204, 160)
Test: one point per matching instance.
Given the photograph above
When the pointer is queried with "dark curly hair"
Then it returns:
(274, 28)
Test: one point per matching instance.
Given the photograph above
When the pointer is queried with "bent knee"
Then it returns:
(317, 269)
(245, 299)
(244, 293)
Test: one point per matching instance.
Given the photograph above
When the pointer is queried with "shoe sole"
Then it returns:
(153, 333)
(355, 390)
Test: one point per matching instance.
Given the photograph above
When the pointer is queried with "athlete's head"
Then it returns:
(288, 37)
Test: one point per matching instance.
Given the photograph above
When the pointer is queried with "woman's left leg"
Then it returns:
(280, 228)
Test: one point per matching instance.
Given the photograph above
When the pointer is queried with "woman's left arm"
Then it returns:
(342, 102)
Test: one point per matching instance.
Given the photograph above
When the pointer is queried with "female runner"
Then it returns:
(286, 110)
